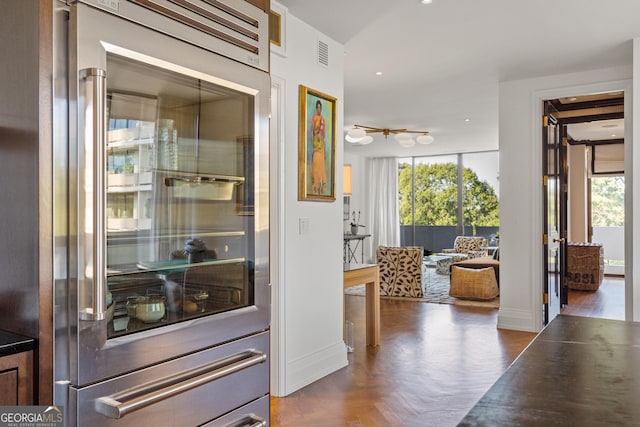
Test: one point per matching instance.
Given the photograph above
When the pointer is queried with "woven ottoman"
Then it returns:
(482, 262)
(473, 283)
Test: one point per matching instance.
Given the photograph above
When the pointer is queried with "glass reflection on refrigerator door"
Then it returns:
(180, 225)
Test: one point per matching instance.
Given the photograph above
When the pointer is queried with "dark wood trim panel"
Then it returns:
(590, 143)
(262, 4)
(44, 351)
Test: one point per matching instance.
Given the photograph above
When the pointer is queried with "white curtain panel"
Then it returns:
(383, 209)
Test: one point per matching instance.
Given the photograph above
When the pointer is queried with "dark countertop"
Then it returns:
(578, 371)
(11, 343)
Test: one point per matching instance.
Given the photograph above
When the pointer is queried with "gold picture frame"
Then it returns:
(317, 146)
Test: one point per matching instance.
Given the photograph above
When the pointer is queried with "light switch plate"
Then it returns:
(303, 226)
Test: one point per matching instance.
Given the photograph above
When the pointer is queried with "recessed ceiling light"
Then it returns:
(426, 1)
(613, 135)
(467, 119)
(378, 73)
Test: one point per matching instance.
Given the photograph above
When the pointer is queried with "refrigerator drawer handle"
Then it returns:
(112, 407)
(248, 421)
(258, 422)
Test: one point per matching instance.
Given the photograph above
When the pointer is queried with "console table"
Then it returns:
(369, 274)
(349, 254)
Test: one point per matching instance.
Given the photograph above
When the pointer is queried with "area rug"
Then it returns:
(435, 289)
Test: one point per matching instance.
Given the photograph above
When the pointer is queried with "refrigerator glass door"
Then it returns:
(168, 195)
(179, 221)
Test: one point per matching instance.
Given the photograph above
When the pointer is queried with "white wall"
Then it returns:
(307, 290)
(521, 218)
(632, 186)
(359, 200)
(307, 332)
(578, 209)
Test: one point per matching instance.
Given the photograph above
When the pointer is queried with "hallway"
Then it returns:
(434, 362)
(606, 303)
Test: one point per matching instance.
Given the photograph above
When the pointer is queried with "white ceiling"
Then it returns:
(603, 129)
(442, 62)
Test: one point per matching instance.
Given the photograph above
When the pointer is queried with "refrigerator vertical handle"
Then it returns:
(94, 80)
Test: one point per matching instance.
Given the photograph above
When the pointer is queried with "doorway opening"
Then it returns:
(591, 143)
(606, 217)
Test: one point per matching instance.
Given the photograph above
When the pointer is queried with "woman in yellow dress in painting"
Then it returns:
(318, 163)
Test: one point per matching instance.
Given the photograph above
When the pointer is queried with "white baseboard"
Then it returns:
(517, 320)
(308, 369)
(617, 270)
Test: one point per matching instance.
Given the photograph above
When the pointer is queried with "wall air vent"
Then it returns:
(323, 53)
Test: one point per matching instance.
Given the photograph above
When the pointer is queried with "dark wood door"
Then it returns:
(554, 179)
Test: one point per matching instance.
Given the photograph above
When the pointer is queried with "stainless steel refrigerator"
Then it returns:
(160, 212)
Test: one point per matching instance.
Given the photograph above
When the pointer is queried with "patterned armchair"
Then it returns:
(400, 271)
(470, 246)
(464, 248)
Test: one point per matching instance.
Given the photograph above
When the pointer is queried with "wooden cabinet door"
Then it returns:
(16, 379)
(9, 388)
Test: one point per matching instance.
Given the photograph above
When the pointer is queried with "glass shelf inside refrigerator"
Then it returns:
(174, 291)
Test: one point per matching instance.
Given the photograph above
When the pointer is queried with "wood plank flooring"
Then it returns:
(606, 303)
(434, 362)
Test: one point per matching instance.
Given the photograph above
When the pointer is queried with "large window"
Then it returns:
(607, 220)
(441, 197)
(480, 192)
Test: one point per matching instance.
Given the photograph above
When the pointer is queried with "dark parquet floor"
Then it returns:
(606, 303)
(434, 362)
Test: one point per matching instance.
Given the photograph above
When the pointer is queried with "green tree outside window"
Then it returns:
(607, 201)
(436, 196)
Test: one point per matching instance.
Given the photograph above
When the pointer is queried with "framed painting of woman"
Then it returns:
(317, 144)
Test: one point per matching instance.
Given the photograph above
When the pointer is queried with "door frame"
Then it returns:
(537, 111)
(278, 366)
(557, 296)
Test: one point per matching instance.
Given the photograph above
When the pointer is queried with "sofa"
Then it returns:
(400, 271)
(464, 248)
(471, 246)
